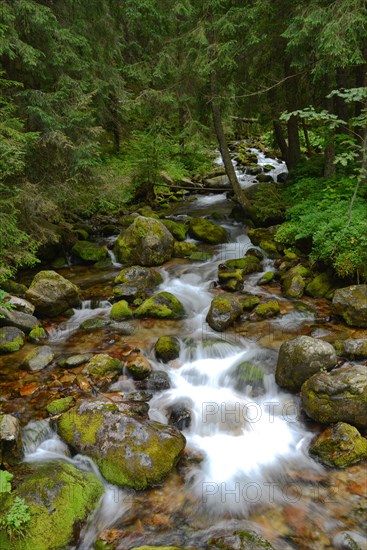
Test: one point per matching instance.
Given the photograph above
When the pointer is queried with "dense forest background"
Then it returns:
(97, 97)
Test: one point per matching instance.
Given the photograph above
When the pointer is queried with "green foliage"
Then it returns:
(320, 212)
(5, 480)
(16, 519)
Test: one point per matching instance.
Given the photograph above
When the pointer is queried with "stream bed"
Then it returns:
(246, 464)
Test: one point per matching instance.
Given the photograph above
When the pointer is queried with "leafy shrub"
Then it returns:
(17, 518)
(320, 211)
(5, 481)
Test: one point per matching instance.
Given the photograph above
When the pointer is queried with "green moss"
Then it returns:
(161, 306)
(207, 232)
(94, 324)
(59, 406)
(37, 333)
(249, 302)
(200, 256)
(81, 234)
(320, 285)
(250, 373)
(13, 288)
(184, 249)
(101, 364)
(178, 230)
(266, 278)
(249, 264)
(60, 497)
(120, 311)
(71, 423)
(340, 445)
(167, 348)
(11, 347)
(270, 247)
(59, 262)
(268, 309)
(89, 252)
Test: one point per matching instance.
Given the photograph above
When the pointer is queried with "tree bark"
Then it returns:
(280, 139)
(294, 147)
(222, 143)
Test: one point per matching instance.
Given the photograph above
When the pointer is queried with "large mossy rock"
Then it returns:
(89, 252)
(340, 445)
(103, 369)
(350, 303)
(178, 230)
(60, 498)
(337, 396)
(161, 306)
(52, 294)
(145, 242)
(18, 319)
(120, 311)
(130, 452)
(223, 312)
(300, 358)
(11, 339)
(207, 232)
(136, 282)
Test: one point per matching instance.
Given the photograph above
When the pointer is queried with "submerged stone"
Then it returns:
(39, 358)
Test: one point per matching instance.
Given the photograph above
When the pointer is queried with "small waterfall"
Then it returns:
(88, 310)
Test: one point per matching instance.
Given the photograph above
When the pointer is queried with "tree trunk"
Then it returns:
(222, 142)
(329, 166)
(294, 147)
(280, 139)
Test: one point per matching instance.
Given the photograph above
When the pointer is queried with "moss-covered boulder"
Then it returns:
(266, 310)
(167, 348)
(52, 294)
(11, 449)
(138, 367)
(293, 282)
(11, 339)
(136, 282)
(130, 452)
(337, 396)
(161, 306)
(14, 288)
(339, 446)
(145, 242)
(207, 232)
(38, 358)
(300, 358)
(350, 303)
(263, 234)
(120, 311)
(59, 499)
(58, 406)
(320, 285)
(178, 230)
(89, 252)
(223, 311)
(230, 279)
(266, 278)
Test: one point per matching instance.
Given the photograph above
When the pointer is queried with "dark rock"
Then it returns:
(223, 312)
(23, 321)
(11, 339)
(350, 303)
(52, 294)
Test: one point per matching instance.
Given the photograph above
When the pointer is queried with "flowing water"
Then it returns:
(246, 464)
